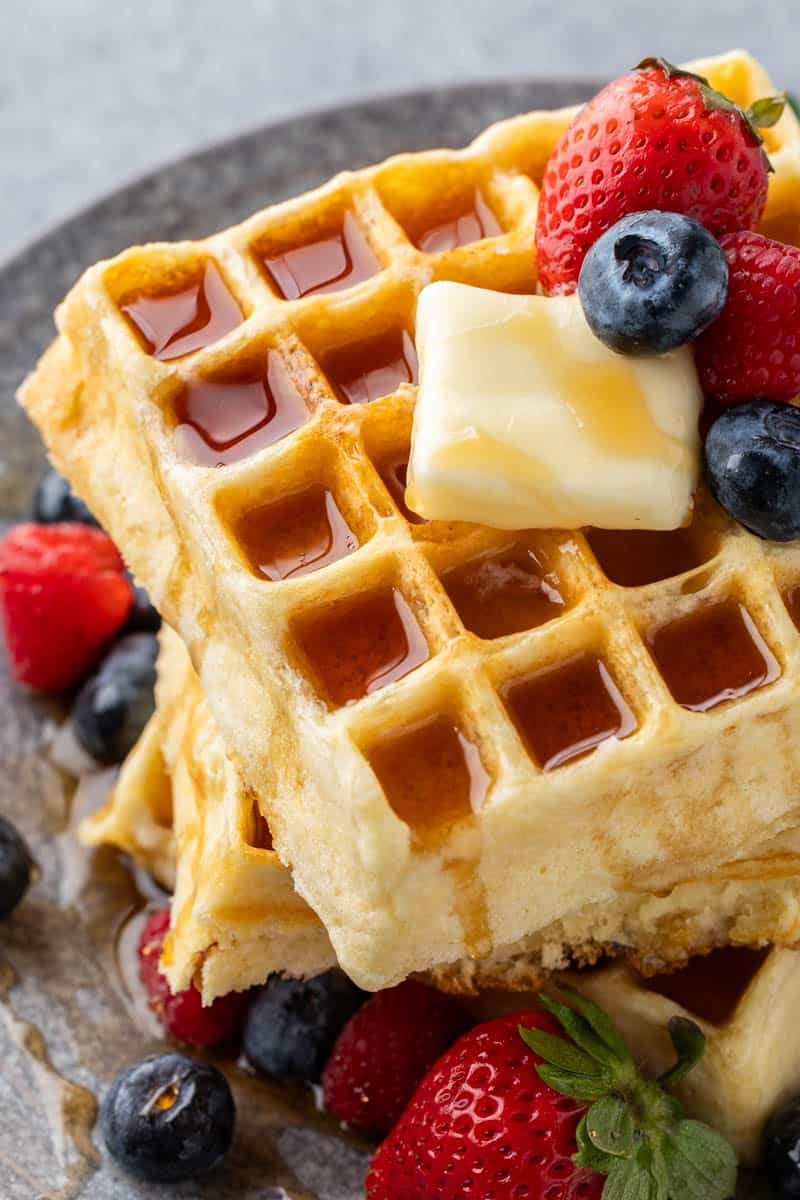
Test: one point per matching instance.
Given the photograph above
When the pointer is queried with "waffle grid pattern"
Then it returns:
(374, 882)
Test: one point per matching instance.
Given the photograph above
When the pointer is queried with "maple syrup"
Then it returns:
(369, 370)
(358, 645)
(295, 535)
(178, 323)
(339, 261)
(471, 224)
(791, 598)
(710, 986)
(714, 655)
(221, 422)
(504, 591)
(564, 712)
(634, 558)
(394, 474)
(432, 776)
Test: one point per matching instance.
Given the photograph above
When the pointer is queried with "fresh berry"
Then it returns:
(114, 705)
(168, 1118)
(182, 1014)
(143, 617)
(54, 501)
(16, 868)
(781, 1153)
(292, 1024)
(385, 1050)
(753, 350)
(64, 596)
(658, 138)
(516, 1110)
(653, 282)
(752, 464)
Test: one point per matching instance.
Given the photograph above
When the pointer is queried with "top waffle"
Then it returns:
(407, 700)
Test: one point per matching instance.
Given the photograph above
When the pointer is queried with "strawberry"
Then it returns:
(517, 1111)
(182, 1013)
(658, 138)
(753, 348)
(64, 595)
(385, 1050)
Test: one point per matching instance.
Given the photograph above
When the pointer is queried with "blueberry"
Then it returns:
(781, 1153)
(292, 1024)
(142, 618)
(168, 1118)
(652, 282)
(114, 705)
(16, 868)
(752, 463)
(55, 500)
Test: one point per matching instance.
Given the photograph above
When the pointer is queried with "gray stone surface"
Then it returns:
(94, 91)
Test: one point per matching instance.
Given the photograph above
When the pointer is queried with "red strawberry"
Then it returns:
(64, 596)
(385, 1050)
(752, 351)
(516, 1111)
(182, 1014)
(658, 138)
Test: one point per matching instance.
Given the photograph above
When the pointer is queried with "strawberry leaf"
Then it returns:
(765, 113)
(589, 1156)
(690, 1046)
(630, 1180)
(700, 1163)
(578, 1087)
(560, 1053)
(600, 1022)
(581, 1032)
(610, 1127)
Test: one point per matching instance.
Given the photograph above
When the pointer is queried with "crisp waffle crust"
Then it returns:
(373, 726)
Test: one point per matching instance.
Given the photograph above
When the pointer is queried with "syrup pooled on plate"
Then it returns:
(296, 535)
(358, 645)
(181, 322)
(432, 775)
(502, 592)
(714, 655)
(221, 422)
(636, 557)
(328, 265)
(564, 712)
(366, 371)
(471, 225)
(710, 986)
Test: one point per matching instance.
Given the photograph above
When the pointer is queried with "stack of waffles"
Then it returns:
(405, 746)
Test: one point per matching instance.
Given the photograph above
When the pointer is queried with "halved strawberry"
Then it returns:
(64, 595)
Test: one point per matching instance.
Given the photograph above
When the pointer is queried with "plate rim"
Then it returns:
(372, 97)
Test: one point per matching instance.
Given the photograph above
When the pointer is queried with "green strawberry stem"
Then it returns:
(762, 114)
(634, 1132)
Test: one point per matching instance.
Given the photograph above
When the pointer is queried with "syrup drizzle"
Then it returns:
(359, 645)
(367, 371)
(504, 591)
(472, 225)
(634, 558)
(177, 324)
(564, 712)
(339, 261)
(296, 535)
(714, 655)
(223, 422)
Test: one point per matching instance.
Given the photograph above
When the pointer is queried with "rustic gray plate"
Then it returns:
(68, 1021)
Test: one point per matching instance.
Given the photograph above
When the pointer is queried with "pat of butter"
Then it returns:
(525, 420)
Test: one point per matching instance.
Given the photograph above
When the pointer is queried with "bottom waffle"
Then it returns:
(237, 918)
(744, 1000)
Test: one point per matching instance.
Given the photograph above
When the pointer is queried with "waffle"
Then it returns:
(396, 743)
(237, 919)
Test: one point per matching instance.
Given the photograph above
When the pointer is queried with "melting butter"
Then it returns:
(525, 420)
